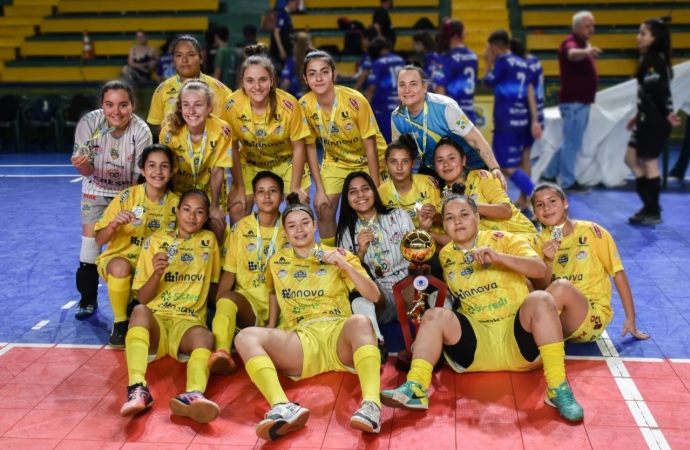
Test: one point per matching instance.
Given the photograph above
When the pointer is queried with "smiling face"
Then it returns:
(195, 107)
(257, 82)
(157, 170)
(360, 196)
(191, 214)
(411, 88)
(300, 229)
(187, 60)
(460, 222)
(550, 209)
(449, 163)
(320, 77)
(399, 163)
(267, 195)
(117, 107)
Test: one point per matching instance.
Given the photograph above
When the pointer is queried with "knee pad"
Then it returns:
(89, 250)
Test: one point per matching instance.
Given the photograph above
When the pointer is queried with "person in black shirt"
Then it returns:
(655, 117)
(382, 22)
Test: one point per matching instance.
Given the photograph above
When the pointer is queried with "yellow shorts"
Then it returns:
(103, 261)
(333, 176)
(497, 348)
(598, 318)
(258, 299)
(319, 343)
(171, 332)
(283, 170)
(383, 170)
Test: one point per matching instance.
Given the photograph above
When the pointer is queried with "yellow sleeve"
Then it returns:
(514, 244)
(537, 245)
(269, 274)
(215, 270)
(156, 110)
(225, 156)
(298, 125)
(311, 139)
(354, 262)
(445, 255)
(231, 255)
(606, 249)
(111, 211)
(492, 191)
(144, 268)
(366, 120)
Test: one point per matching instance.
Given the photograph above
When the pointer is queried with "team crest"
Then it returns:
(205, 242)
(85, 207)
(354, 103)
(187, 258)
(282, 273)
(563, 260)
(124, 196)
(321, 272)
(349, 126)
(168, 137)
(278, 118)
(300, 275)
(244, 129)
(581, 256)
(154, 224)
(226, 131)
(250, 247)
(288, 104)
(278, 130)
(467, 272)
(583, 240)
(260, 133)
(205, 256)
(451, 275)
(114, 153)
(229, 105)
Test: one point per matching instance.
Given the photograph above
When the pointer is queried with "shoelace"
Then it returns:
(281, 410)
(136, 392)
(370, 408)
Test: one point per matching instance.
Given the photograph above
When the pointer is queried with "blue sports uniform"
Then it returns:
(456, 71)
(431, 60)
(536, 80)
(289, 74)
(443, 118)
(509, 78)
(384, 75)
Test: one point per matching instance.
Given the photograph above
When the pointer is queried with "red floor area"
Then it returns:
(69, 398)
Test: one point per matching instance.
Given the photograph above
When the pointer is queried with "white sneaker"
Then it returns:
(367, 418)
(282, 419)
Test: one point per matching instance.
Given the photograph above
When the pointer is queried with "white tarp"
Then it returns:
(605, 140)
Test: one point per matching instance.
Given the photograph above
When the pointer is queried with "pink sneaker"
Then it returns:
(138, 399)
(195, 406)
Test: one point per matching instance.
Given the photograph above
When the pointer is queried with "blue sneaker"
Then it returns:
(411, 395)
(562, 398)
(195, 406)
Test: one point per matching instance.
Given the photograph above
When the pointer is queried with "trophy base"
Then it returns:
(403, 362)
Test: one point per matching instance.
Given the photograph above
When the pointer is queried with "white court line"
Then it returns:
(35, 165)
(95, 346)
(68, 305)
(40, 324)
(622, 358)
(682, 361)
(76, 179)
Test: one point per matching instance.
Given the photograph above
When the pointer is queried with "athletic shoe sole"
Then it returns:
(548, 401)
(393, 403)
(202, 410)
(221, 364)
(270, 430)
(362, 424)
(134, 409)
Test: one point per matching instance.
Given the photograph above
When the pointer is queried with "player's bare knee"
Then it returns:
(358, 323)
(207, 340)
(540, 302)
(435, 315)
(560, 287)
(246, 340)
(141, 317)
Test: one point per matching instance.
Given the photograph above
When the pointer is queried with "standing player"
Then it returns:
(424, 45)
(173, 279)
(430, 117)
(204, 151)
(382, 91)
(364, 68)
(456, 69)
(342, 118)
(141, 210)
(271, 130)
(509, 76)
(585, 255)
(187, 56)
(107, 146)
(309, 284)
(499, 324)
(250, 245)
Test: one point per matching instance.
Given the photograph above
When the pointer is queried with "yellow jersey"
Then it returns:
(586, 258)
(214, 150)
(491, 294)
(127, 240)
(351, 121)
(165, 97)
(249, 247)
(424, 190)
(265, 141)
(482, 187)
(183, 289)
(308, 289)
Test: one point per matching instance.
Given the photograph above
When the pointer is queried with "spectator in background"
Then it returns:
(166, 63)
(681, 165)
(382, 22)
(225, 57)
(291, 76)
(209, 53)
(382, 91)
(281, 39)
(456, 68)
(365, 64)
(579, 81)
(249, 34)
(424, 45)
(141, 61)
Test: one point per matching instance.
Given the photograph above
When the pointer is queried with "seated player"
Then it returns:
(173, 279)
(373, 233)
(127, 223)
(309, 284)
(253, 240)
(586, 256)
(496, 211)
(499, 324)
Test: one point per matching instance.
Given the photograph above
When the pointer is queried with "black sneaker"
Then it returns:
(85, 309)
(577, 188)
(383, 351)
(131, 306)
(547, 180)
(651, 219)
(138, 399)
(637, 217)
(118, 335)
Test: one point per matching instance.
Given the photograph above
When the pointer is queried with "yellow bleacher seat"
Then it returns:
(20, 21)
(17, 31)
(7, 54)
(320, 4)
(58, 74)
(125, 24)
(35, 2)
(330, 21)
(82, 6)
(74, 48)
(27, 10)
(602, 17)
(621, 41)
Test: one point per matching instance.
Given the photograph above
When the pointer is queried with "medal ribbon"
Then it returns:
(250, 113)
(259, 241)
(330, 122)
(190, 149)
(374, 249)
(468, 253)
(424, 129)
(103, 130)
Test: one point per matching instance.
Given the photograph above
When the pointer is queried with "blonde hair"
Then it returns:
(174, 119)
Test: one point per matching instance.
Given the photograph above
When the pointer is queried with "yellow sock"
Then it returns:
(368, 364)
(224, 323)
(137, 354)
(420, 371)
(263, 374)
(197, 370)
(119, 290)
(328, 241)
(553, 357)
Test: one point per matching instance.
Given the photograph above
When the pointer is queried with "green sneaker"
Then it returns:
(562, 398)
(411, 395)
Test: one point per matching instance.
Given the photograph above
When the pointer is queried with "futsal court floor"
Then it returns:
(61, 387)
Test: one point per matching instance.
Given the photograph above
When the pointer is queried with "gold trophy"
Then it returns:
(417, 246)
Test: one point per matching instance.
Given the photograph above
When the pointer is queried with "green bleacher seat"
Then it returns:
(125, 24)
(602, 17)
(132, 6)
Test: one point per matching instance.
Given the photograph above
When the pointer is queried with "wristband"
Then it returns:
(495, 168)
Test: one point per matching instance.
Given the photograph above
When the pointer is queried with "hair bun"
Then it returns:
(412, 62)
(252, 50)
(665, 19)
(293, 199)
(458, 188)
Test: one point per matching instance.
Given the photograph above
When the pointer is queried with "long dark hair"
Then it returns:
(660, 46)
(207, 203)
(348, 217)
(156, 148)
(312, 54)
